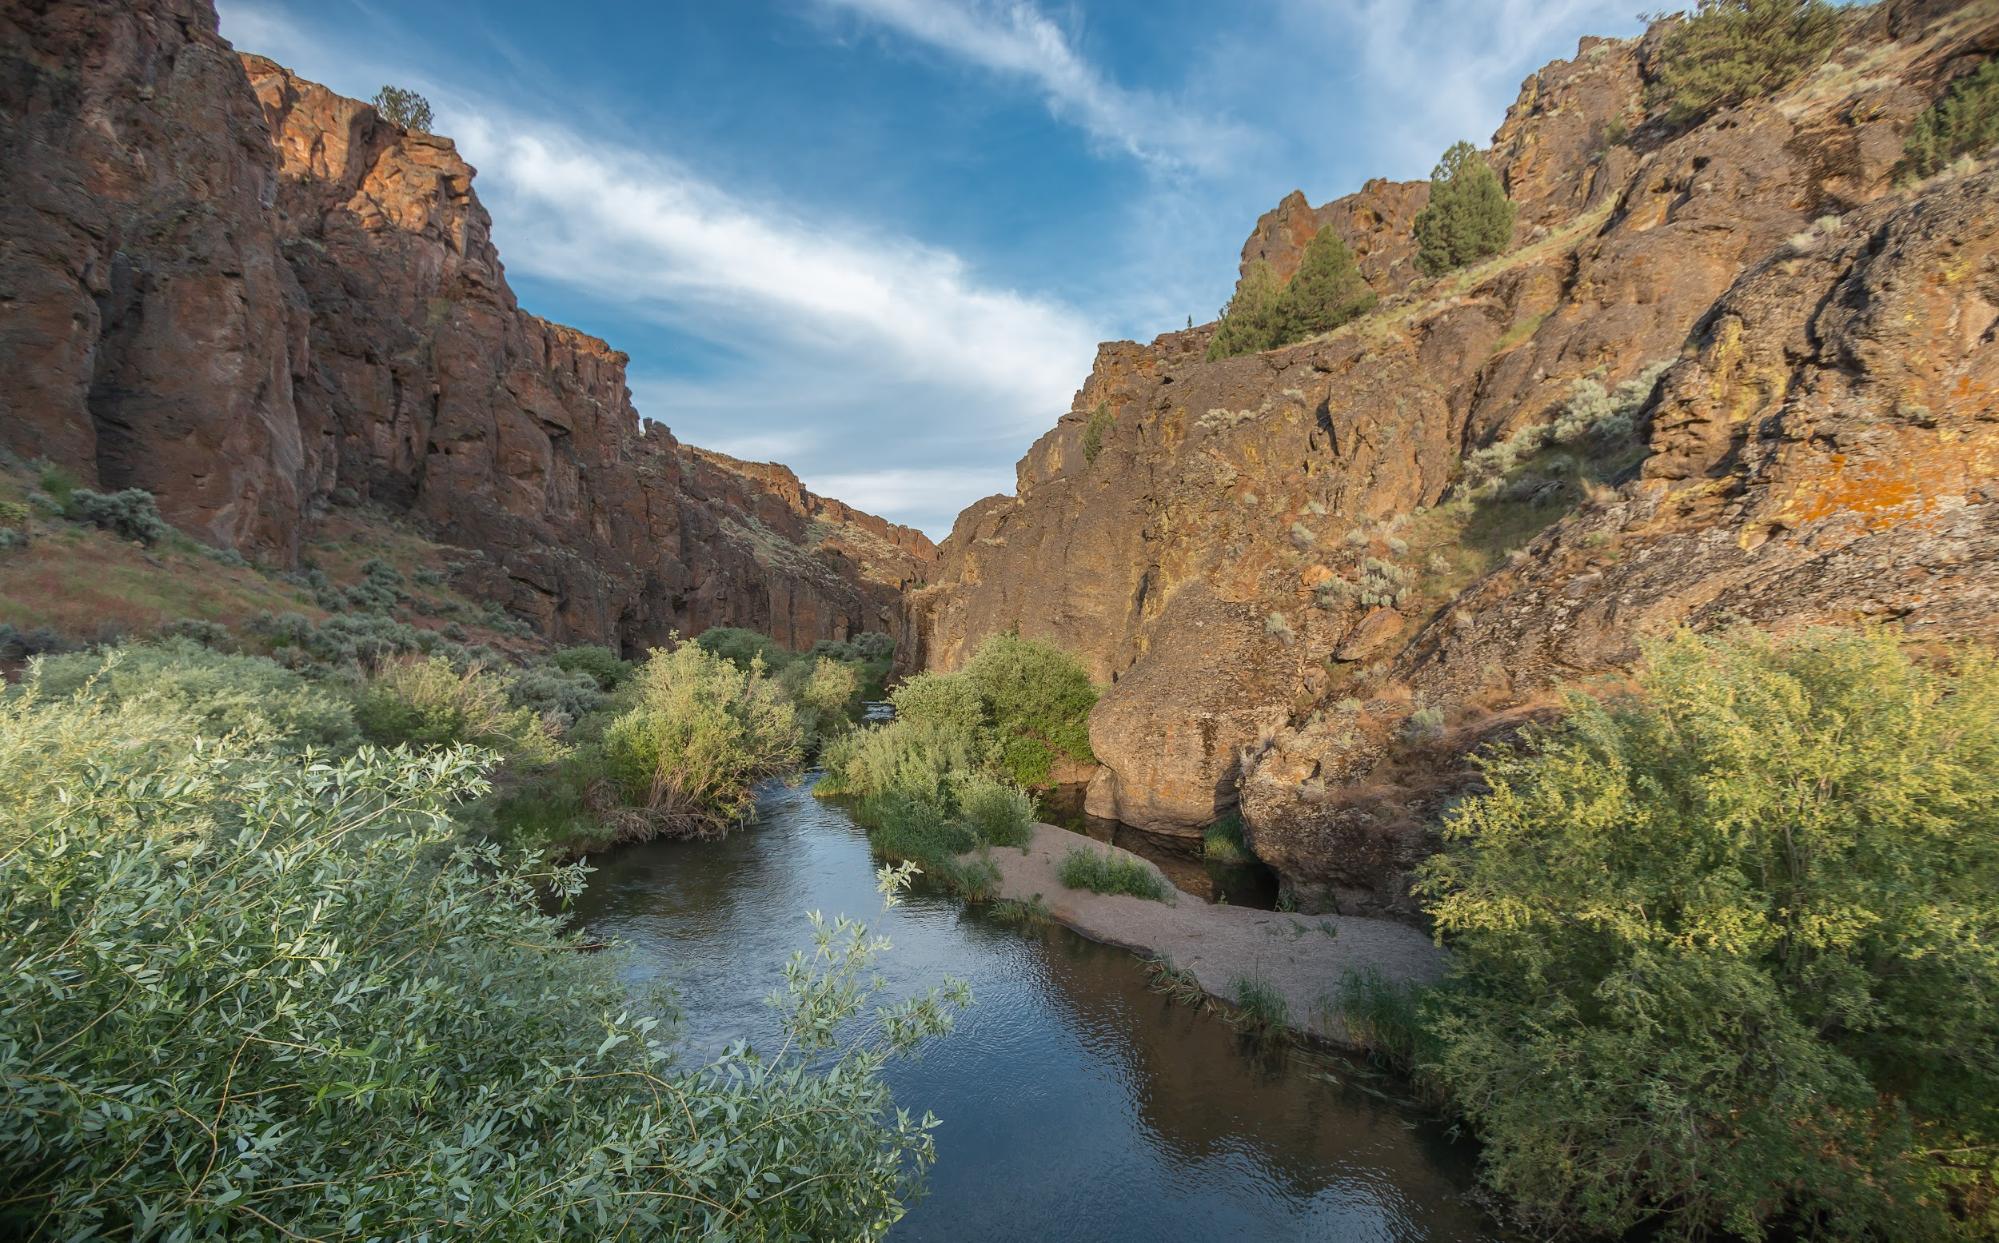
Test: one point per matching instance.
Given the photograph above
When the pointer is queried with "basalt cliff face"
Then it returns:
(251, 296)
(1275, 562)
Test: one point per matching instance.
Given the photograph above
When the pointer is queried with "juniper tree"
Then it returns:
(1732, 51)
(1468, 216)
(1249, 321)
(1327, 291)
(404, 107)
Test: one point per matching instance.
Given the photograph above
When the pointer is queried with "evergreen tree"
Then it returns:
(403, 107)
(1327, 291)
(1965, 120)
(1468, 217)
(1731, 51)
(1249, 321)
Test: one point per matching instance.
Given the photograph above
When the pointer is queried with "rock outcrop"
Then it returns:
(1257, 561)
(247, 295)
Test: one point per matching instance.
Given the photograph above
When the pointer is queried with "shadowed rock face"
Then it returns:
(243, 292)
(1818, 451)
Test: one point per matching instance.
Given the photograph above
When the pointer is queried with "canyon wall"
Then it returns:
(1266, 561)
(252, 297)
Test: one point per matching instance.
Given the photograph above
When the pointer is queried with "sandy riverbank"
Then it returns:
(1302, 956)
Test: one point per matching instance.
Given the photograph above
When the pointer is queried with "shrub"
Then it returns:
(944, 701)
(216, 692)
(1423, 724)
(56, 482)
(600, 663)
(130, 513)
(404, 107)
(1095, 430)
(1964, 121)
(425, 702)
(1103, 872)
(356, 638)
(18, 644)
(1732, 51)
(911, 759)
(1249, 322)
(1327, 291)
(702, 733)
(742, 648)
(1468, 216)
(999, 814)
(1222, 841)
(1388, 1018)
(197, 630)
(1723, 950)
(239, 991)
(1039, 699)
(826, 694)
(558, 697)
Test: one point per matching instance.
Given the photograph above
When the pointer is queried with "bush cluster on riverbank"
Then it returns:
(260, 979)
(947, 777)
(1725, 949)
(1100, 871)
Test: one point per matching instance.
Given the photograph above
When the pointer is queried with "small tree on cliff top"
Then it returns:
(1731, 51)
(1249, 321)
(1468, 216)
(1327, 291)
(404, 107)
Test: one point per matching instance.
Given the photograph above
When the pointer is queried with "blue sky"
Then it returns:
(878, 240)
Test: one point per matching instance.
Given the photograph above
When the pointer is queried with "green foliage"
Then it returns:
(742, 648)
(404, 107)
(1601, 424)
(1388, 1018)
(558, 697)
(1250, 320)
(130, 514)
(56, 482)
(1260, 1009)
(425, 702)
(363, 639)
(945, 702)
(1468, 216)
(826, 694)
(1731, 51)
(1038, 698)
(1101, 871)
(1222, 841)
(1964, 121)
(242, 997)
(1000, 814)
(701, 734)
(216, 692)
(1095, 430)
(912, 759)
(1327, 291)
(1725, 950)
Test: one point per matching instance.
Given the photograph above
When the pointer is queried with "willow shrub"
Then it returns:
(702, 733)
(825, 693)
(1728, 950)
(1038, 698)
(427, 702)
(219, 692)
(246, 997)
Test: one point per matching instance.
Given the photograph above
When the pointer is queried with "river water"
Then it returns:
(1076, 1102)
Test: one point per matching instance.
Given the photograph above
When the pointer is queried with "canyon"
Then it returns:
(1267, 558)
(261, 301)
(255, 299)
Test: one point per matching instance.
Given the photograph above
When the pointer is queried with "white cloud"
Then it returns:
(903, 494)
(635, 228)
(1434, 72)
(1013, 37)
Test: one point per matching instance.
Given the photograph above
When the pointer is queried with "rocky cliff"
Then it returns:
(1315, 578)
(248, 295)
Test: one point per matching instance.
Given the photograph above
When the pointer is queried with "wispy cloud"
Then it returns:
(637, 228)
(1015, 38)
(1434, 72)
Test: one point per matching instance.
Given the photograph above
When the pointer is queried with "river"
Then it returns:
(1076, 1102)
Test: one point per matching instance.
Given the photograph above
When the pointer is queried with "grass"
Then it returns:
(908, 829)
(1030, 913)
(1222, 841)
(1100, 872)
(1177, 983)
(1384, 1017)
(1261, 1010)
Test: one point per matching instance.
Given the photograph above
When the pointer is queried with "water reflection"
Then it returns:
(1077, 1103)
(1179, 857)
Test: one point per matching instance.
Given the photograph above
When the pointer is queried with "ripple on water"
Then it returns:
(1077, 1103)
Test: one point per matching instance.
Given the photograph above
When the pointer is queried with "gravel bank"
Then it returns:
(1303, 956)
